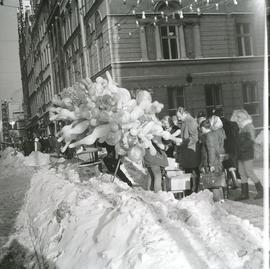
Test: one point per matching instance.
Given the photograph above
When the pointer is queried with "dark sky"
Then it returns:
(10, 78)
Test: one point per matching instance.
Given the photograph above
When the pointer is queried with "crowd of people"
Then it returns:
(200, 145)
(207, 144)
(45, 144)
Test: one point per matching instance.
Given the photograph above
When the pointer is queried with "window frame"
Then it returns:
(213, 87)
(168, 38)
(173, 93)
(254, 86)
(242, 36)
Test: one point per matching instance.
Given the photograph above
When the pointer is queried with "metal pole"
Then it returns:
(117, 167)
(84, 45)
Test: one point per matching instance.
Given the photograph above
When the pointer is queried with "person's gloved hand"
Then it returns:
(212, 169)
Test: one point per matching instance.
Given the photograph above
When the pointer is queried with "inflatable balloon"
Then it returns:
(103, 111)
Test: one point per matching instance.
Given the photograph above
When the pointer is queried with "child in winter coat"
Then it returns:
(245, 149)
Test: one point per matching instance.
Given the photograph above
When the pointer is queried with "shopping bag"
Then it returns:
(213, 180)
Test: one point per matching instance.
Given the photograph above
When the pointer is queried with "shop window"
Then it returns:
(250, 98)
(213, 96)
(176, 98)
(244, 39)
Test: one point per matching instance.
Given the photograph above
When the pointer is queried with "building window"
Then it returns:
(176, 98)
(251, 98)
(213, 96)
(244, 39)
(169, 41)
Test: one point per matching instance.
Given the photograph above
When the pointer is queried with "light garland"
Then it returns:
(197, 6)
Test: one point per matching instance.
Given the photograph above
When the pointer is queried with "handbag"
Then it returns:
(213, 180)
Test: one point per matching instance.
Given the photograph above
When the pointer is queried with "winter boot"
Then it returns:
(259, 189)
(244, 192)
(233, 177)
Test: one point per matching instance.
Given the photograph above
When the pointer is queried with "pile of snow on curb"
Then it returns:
(100, 224)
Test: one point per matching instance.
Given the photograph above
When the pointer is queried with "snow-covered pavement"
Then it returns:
(101, 224)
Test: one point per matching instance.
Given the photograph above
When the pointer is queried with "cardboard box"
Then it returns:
(179, 182)
(174, 173)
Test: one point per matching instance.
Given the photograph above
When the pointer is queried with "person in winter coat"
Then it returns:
(245, 147)
(28, 146)
(230, 146)
(212, 147)
(189, 148)
(170, 145)
(155, 165)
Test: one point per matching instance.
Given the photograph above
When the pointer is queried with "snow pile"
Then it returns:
(36, 158)
(101, 224)
(10, 155)
(10, 162)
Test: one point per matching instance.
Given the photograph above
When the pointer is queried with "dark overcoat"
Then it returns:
(246, 142)
(189, 149)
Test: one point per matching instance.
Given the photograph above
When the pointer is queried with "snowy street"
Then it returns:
(74, 224)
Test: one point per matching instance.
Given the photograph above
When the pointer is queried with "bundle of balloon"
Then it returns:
(177, 181)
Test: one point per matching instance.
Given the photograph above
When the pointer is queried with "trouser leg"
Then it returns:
(244, 182)
(157, 178)
(248, 166)
(250, 172)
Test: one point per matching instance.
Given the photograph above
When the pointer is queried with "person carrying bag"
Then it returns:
(211, 165)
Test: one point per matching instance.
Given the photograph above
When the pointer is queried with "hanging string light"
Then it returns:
(180, 12)
(143, 15)
(201, 6)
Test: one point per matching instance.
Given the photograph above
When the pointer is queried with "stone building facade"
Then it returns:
(197, 56)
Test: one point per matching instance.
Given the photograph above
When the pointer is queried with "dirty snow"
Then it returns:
(102, 224)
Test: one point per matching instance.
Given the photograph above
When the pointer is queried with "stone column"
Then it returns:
(182, 41)
(143, 43)
(197, 41)
(158, 46)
